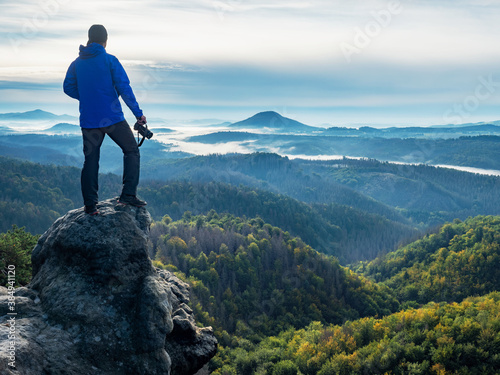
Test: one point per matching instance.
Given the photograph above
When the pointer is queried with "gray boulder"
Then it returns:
(96, 304)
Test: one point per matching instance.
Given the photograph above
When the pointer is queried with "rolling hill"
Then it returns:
(35, 115)
(271, 120)
(454, 271)
(277, 305)
(480, 151)
(417, 194)
(434, 339)
(348, 233)
(35, 195)
(64, 128)
(462, 259)
(257, 279)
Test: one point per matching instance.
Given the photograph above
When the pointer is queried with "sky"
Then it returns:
(326, 63)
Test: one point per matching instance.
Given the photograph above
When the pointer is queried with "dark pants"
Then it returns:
(122, 135)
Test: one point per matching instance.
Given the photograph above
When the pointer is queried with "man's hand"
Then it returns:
(142, 120)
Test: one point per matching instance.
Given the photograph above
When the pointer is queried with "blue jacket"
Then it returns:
(97, 79)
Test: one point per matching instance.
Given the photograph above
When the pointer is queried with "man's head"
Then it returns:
(98, 34)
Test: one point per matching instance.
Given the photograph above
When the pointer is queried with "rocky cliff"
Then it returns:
(96, 304)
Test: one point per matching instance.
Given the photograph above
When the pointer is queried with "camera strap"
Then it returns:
(139, 143)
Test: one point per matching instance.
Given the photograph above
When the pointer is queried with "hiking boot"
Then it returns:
(131, 200)
(91, 210)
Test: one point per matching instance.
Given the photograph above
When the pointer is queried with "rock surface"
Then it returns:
(96, 305)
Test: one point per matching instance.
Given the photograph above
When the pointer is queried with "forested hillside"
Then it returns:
(34, 195)
(462, 337)
(480, 151)
(280, 307)
(263, 241)
(343, 231)
(438, 338)
(268, 172)
(357, 228)
(413, 195)
(461, 260)
(252, 279)
(422, 195)
(66, 150)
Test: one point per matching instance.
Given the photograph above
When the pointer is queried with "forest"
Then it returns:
(437, 338)
(442, 301)
(351, 285)
(256, 278)
(353, 209)
(480, 151)
(280, 307)
(34, 195)
(418, 194)
(460, 260)
(475, 145)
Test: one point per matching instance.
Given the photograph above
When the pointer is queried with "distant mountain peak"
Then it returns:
(38, 111)
(268, 115)
(64, 127)
(273, 120)
(36, 114)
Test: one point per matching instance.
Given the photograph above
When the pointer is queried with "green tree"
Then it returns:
(285, 367)
(15, 251)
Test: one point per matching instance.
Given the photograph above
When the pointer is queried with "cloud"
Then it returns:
(234, 53)
(20, 86)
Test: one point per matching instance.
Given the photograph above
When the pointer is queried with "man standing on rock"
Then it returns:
(97, 79)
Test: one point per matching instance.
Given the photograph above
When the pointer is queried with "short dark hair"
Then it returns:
(97, 34)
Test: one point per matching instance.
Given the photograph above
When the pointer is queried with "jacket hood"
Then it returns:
(92, 50)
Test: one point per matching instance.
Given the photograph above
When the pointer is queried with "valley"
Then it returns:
(374, 263)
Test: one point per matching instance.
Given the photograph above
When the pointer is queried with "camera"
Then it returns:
(143, 130)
